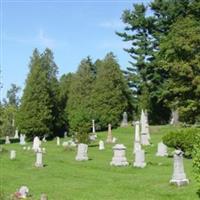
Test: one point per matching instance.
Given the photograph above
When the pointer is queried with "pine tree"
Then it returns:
(110, 93)
(79, 108)
(35, 115)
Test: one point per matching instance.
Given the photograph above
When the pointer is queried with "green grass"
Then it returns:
(63, 178)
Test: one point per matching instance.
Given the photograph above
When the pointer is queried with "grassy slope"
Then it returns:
(63, 178)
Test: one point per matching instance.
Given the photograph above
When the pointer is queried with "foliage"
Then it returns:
(35, 114)
(79, 108)
(111, 94)
(183, 139)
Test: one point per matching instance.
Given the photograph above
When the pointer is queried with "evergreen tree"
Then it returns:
(35, 115)
(110, 93)
(12, 97)
(79, 108)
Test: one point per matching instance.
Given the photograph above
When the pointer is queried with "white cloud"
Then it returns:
(44, 40)
(112, 24)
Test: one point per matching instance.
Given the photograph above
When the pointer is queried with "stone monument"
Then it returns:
(179, 176)
(36, 143)
(7, 141)
(58, 141)
(12, 155)
(16, 136)
(82, 152)
(162, 150)
(101, 145)
(124, 120)
(119, 158)
(139, 159)
(23, 191)
(22, 139)
(137, 145)
(109, 137)
(39, 162)
(144, 131)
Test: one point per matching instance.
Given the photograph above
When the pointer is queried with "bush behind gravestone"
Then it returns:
(183, 138)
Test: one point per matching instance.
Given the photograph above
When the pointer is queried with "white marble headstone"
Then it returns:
(109, 137)
(36, 143)
(82, 152)
(101, 145)
(22, 139)
(179, 176)
(12, 154)
(162, 150)
(139, 159)
(137, 145)
(58, 141)
(16, 136)
(119, 158)
(39, 162)
(7, 140)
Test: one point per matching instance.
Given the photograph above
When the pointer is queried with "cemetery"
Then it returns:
(100, 100)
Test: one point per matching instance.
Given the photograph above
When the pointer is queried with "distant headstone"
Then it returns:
(124, 120)
(162, 150)
(44, 197)
(58, 141)
(139, 159)
(44, 139)
(82, 152)
(7, 141)
(179, 176)
(101, 145)
(65, 134)
(119, 158)
(22, 139)
(174, 117)
(16, 136)
(93, 126)
(23, 191)
(109, 137)
(39, 162)
(36, 143)
(12, 154)
(114, 139)
(137, 145)
(144, 129)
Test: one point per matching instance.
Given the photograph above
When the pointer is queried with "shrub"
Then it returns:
(183, 138)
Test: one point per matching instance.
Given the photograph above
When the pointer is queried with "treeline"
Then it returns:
(98, 90)
(165, 70)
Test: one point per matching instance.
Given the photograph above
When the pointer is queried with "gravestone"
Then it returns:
(144, 129)
(162, 150)
(139, 159)
(179, 176)
(109, 137)
(174, 117)
(114, 139)
(39, 162)
(16, 136)
(58, 141)
(101, 145)
(93, 126)
(12, 155)
(65, 134)
(137, 145)
(36, 143)
(22, 139)
(44, 139)
(82, 152)
(124, 120)
(44, 197)
(7, 141)
(23, 191)
(119, 158)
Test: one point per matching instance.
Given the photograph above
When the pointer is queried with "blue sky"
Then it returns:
(72, 29)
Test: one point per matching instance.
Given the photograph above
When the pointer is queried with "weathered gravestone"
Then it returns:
(58, 141)
(174, 117)
(137, 144)
(36, 143)
(7, 141)
(179, 176)
(162, 150)
(22, 139)
(23, 191)
(16, 136)
(124, 120)
(39, 162)
(82, 152)
(12, 155)
(101, 145)
(119, 158)
(44, 197)
(139, 159)
(144, 129)
(109, 137)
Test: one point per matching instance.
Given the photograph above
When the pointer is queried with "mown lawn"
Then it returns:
(63, 178)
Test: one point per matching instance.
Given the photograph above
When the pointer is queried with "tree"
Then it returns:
(110, 93)
(79, 108)
(179, 56)
(12, 97)
(35, 115)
